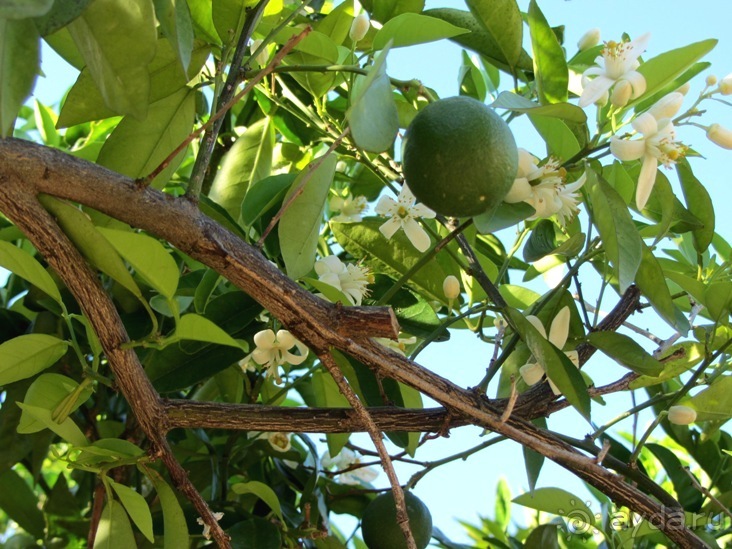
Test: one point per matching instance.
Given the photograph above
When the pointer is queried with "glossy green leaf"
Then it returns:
(175, 528)
(148, 257)
(248, 161)
(19, 502)
(45, 120)
(198, 328)
(688, 495)
(699, 204)
(114, 530)
(394, 256)
(502, 19)
(337, 24)
(662, 69)
(262, 491)
(558, 502)
(409, 29)
(264, 195)
(384, 10)
(90, 242)
(715, 402)
(373, 117)
(299, 226)
(718, 299)
(175, 22)
(26, 355)
(472, 80)
(676, 360)
(117, 41)
(136, 507)
(560, 140)
(620, 238)
(550, 67)
(19, 65)
(626, 352)
(23, 264)
(136, 147)
(315, 49)
(49, 391)
(533, 461)
(229, 16)
(21, 9)
(327, 395)
(67, 429)
(557, 366)
(517, 103)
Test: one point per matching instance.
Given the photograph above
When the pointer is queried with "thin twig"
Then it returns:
(511, 401)
(724, 509)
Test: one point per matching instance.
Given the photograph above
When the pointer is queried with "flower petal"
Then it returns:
(646, 180)
(420, 210)
(417, 235)
(559, 330)
(626, 149)
(264, 339)
(520, 191)
(531, 373)
(595, 90)
(645, 124)
(536, 323)
(391, 226)
(406, 198)
(637, 82)
(386, 206)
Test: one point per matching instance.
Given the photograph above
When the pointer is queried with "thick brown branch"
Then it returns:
(308, 318)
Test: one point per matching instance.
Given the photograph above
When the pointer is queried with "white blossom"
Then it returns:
(544, 188)
(350, 208)
(278, 441)
(403, 214)
(618, 63)
(398, 346)
(206, 527)
(345, 459)
(589, 40)
(350, 279)
(359, 27)
(273, 350)
(681, 415)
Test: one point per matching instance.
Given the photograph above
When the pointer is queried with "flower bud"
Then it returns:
(725, 86)
(359, 27)
(531, 373)
(720, 135)
(684, 88)
(621, 93)
(667, 106)
(279, 441)
(451, 287)
(589, 39)
(681, 415)
(711, 80)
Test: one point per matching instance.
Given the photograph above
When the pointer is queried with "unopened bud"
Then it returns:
(720, 135)
(667, 106)
(531, 373)
(711, 80)
(359, 27)
(621, 93)
(725, 86)
(451, 287)
(681, 415)
(684, 88)
(589, 39)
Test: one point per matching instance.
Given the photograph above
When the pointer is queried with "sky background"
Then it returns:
(465, 489)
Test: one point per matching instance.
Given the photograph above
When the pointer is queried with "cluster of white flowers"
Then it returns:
(532, 372)
(272, 351)
(403, 214)
(350, 279)
(544, 188)
(344, 460)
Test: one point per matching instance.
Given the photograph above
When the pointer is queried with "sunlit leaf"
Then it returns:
(199, 328)
(262, 491)
(24, 356)
(715, 402)
(409, 29)
(558, 502)
(136, 507)
(550, 67)
(699, 204)
(327, 395)
(626, 351)
(174, 521)
(67, 429)
(23, 264)
(502, 19)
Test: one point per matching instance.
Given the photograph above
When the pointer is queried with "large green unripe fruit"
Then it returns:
(460, 157)
(380, 529)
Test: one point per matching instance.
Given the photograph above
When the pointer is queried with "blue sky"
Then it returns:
(466, 489)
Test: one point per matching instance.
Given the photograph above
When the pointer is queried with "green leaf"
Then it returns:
(315, 49)
(502, 19)
(24, 356)
(90, 242)
(412, 399)
(21, 9)
(626, 352)
(62, 13)
(23, 264)
(331, 293)
(148, 257)
(262, 491)
(136, 507)
(715, 402)
(394, 256)
(19, 65)
(473, 82)
(229, 16)
(699, 204)
(67, 429)
(689, 496)
(550, 67)
(533, 461)
(327, 395)
(299, 226)
(516, 103)
(409, 29)
(175, 22)
(263, 196)
(557, 366)
(114, 530)
(45, 120)
(384, 10)
(663, 68)
(718, 299)
(49, 391)
(623, 245)
(174, 521)
(561, 141)
(373, 117)
(558, 502)
(676, 360)
(136, 147)
(198, 328)
(117, 41)
(255, 533)
(248, 161)
(19, 502)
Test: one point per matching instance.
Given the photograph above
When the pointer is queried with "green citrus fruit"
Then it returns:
(460, 157)
(379, 526)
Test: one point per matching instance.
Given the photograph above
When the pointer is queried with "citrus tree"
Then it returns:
(212, 253)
